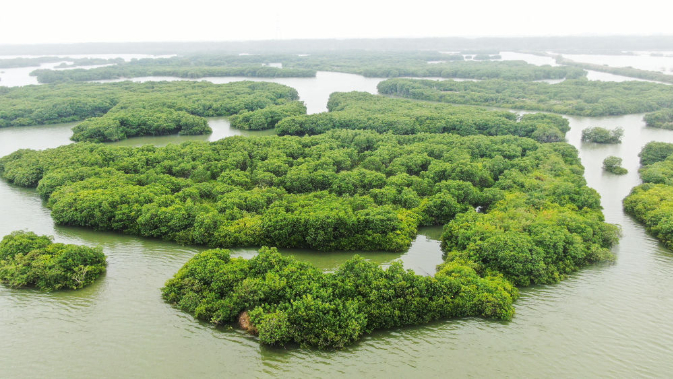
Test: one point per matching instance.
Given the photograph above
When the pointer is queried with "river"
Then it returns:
(608, 320)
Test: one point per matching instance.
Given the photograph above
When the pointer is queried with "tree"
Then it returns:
(614, 165)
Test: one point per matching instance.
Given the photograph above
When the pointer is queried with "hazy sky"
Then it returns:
(68, 21)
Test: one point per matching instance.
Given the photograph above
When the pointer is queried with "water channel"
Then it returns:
(604, 321)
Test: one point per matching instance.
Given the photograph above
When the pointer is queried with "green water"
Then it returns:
(605, 321)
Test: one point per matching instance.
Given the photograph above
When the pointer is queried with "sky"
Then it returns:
(72, 21)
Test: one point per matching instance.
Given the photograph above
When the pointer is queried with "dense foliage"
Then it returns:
(614, 165)
(124, 71)
(115, 111)
(652, 202)
(359, 110)
(289, 301)
(661, 119)
(479, 70)
(426, 64)
(597, 134)
(655, 152)
(268, 117)
(576, 97)
(27, 259)
(369, 64)
(528, 240)
(119, 124)
(343, 190)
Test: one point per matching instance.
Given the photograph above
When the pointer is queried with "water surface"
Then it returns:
(608, 320)
(641, 60)
(538, 60)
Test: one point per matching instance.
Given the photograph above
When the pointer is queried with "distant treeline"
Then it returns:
(123, 71)
(27, 62)
(623, 71)
(652, 202)
(89, 62)
(360, 110)
(369, 64)
(115, 111)
(507, 70)
(574, 97)
(34, 62)
(388, 65)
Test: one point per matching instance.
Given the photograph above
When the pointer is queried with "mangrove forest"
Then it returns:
(579, 97)
(652, 202)
(116, 111)
(29, 260)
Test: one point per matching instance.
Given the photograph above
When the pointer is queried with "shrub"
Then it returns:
(27, 259)
(601, 135)
(614, 165)
(289, 301)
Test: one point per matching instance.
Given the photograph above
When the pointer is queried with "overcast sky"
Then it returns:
(69, 21)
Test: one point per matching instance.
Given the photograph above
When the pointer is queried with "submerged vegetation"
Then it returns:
(115, 111)
(597, 134)
(29, 260)
(652, 202)
(574, 97)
